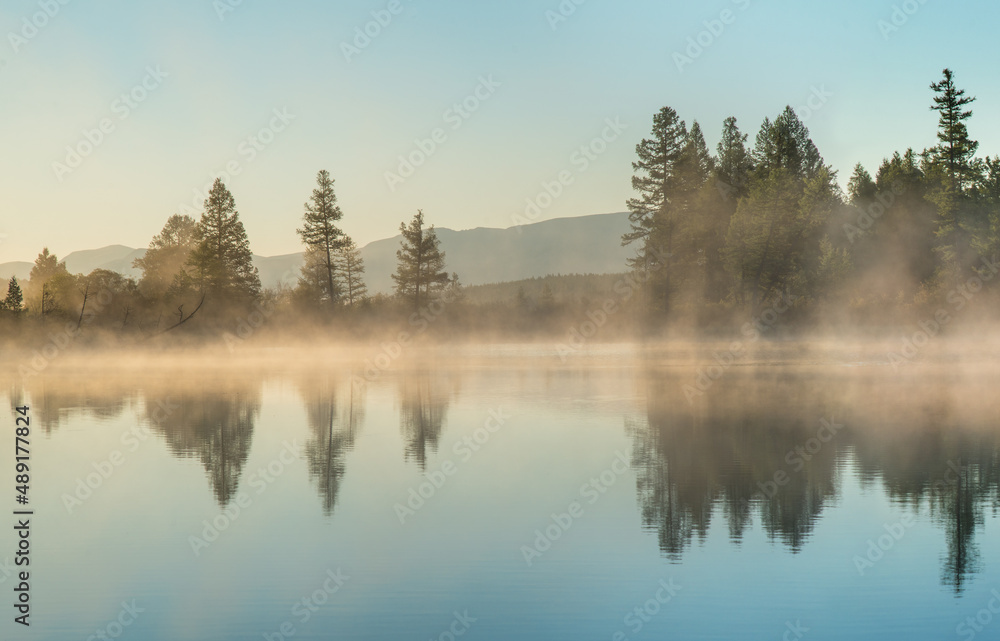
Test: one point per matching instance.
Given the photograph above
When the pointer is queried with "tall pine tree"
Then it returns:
(955, 150)
(321, 235)
(652, 213)
(221, 262)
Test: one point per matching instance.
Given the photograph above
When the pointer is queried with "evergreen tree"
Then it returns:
(734, 163)
(785, 144)
(653, 215)
(420, 273)
(221, 261)
(861, 188)
(314, 284)
(654, 174)
(320, 232)
(166, 256)
(773, 241)
(14, 301)
(955, 149)
(350, 270)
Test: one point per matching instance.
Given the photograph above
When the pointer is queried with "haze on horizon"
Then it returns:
(216, 73)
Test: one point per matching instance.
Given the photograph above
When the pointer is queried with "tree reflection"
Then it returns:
(214, 424)
(690, 460)
(332, 435)
(424, 399)
(743, 453)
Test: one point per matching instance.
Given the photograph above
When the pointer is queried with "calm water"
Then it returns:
(816, 499)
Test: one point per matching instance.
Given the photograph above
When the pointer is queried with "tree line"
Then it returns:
(716, 236)
(206, 266)
(747, 225)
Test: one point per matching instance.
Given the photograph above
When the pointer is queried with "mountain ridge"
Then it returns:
(481, 255)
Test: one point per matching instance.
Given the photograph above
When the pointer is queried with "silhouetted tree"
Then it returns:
(420, 273)
(321, 235)
(221, 262)
(350, 271)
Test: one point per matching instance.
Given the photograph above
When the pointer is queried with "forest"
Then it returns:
(751, 232)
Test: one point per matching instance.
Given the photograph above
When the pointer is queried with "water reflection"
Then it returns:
(332, 433)
(688, 460)
(212, 424)
(755, 446)
(424, 397)
(752, 451)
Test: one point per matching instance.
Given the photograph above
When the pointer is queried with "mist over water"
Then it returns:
(800, 474)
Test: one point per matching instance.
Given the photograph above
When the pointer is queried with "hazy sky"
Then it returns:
(545, 88)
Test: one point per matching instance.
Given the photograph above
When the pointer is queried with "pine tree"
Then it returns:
(221, 261)
(420, 273)
(734, 163)
(654, 175)
(653, 214)
(956, 150)
(785, 144)
(350, 270)
(14, 301)
(314, 286)
(320, 232)
(861, 188)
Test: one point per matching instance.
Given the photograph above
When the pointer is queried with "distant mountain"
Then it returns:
(579, 245)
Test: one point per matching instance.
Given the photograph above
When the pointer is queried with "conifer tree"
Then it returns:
(14, 301)
(221, 262)
(320, 233)
(420, 273)
(350, 271)
(955, 149)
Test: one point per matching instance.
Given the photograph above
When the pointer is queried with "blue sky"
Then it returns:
(552, 90)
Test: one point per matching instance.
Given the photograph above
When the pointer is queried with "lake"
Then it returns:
(490, 493)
